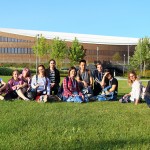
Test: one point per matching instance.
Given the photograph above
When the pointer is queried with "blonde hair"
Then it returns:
(130, 82)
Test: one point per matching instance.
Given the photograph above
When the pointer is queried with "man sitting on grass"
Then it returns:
(85, 80)
(109, 92)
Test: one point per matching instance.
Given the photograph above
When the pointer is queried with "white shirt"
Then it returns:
(42, 81)
(136, 90)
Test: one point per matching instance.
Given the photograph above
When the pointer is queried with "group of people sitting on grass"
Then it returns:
(79, 86)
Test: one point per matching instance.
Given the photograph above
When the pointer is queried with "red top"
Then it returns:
(70, 86)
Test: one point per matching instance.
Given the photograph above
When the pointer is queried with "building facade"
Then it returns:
(16, 45)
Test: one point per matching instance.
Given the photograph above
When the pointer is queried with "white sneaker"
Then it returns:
(1, 97)
(26, 99)
(43, 98)
(57, 98)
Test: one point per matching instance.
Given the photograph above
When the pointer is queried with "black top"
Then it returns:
(147, 92)
(57, 75)
(99, 76)
(114, 81)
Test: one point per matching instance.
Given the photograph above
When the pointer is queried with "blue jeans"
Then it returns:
(88, 93)
(76, 98)
(110, 97)
(147, 99)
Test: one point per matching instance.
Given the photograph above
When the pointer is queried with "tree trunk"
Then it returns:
(144, 67)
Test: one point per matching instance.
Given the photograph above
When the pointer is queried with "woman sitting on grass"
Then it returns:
(71, 91)
(15, 86)
(134, 95)
(26, 77)
(3, 86)
(41, 84)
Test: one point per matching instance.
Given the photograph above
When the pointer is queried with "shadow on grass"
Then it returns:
(134, 143)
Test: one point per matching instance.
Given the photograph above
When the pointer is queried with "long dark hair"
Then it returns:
(42, 67)
(72, 68)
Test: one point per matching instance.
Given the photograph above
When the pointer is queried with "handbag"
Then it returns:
(31, 94)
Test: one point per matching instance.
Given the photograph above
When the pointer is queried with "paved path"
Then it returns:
(123, 78)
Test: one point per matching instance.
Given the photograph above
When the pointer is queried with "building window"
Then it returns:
(2, 50)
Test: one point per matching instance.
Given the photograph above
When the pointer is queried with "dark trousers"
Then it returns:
(55, 89)
(97, 89)
(147, 99)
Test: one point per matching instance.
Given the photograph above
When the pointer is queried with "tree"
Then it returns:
(141, 57)
(58, 50)
(41, 46)
(116, 57)
(76, 52)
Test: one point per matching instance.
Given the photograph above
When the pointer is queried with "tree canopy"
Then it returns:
(58, 50)
(76, 52)
(141, 57)
(41, 46)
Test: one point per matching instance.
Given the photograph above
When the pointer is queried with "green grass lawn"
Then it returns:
(69, 126)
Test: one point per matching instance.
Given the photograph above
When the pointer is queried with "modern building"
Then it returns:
(16, 45)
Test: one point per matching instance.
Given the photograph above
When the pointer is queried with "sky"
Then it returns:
(125, 18)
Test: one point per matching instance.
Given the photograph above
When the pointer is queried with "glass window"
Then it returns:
(5, 50)
(2, 50)
(25, 50)
(16, 50)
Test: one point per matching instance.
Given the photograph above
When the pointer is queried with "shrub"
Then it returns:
(7, 71)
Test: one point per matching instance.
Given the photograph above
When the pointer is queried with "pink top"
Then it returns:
(12, 83)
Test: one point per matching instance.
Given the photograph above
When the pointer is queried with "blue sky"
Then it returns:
(127, 18)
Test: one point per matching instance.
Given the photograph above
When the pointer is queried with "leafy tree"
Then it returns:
(41, 46)
(58, 50)
(76, 52)
(116, 57)
(141, 57)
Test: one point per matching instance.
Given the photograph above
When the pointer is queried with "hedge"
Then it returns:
(8, 71)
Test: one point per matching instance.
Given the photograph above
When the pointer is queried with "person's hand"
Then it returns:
(52, 84)
(19, 86)
(106, 73)
(85, 84)
(83, 97)
(37, 85)
(125, 95)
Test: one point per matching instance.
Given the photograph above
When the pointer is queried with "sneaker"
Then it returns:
(103, 93)
(57, 98)
(1, 97)
(26, 99)
(120, 100)
(107, 92)
(43, 98)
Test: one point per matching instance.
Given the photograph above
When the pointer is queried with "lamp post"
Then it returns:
(128, 54)
(124, 59)
(124, 63)
(97, 53)
(140, 62)
(37, 52)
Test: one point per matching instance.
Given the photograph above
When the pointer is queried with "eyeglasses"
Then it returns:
(40, 69)
(132, 76)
